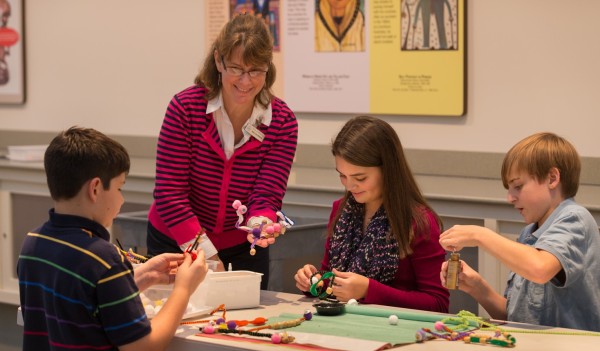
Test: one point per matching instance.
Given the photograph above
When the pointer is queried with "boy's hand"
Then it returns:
(159, 270)
(468, 279)
(191, 273)
(459, 236)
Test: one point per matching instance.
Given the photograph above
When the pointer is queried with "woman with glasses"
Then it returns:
(223, 139)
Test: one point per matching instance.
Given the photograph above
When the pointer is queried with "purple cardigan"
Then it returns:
(195, 183)
(417, 284)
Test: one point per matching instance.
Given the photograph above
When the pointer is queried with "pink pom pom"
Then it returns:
(236, 204)
(439, 326)
(270, 229)
(277, 227)
(276, 338)
(209, 329)
(242, 209)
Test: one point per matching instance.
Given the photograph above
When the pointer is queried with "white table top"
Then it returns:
(276, 303)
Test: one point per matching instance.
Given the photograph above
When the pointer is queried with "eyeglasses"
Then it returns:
(238, 72)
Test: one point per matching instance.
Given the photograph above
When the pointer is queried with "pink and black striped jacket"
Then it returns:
(195, 183)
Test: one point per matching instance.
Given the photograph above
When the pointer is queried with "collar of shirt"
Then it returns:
(259, 115)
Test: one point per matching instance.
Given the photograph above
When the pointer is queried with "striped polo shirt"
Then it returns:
(77, 291)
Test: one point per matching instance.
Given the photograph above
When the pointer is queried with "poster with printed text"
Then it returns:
(401, 57)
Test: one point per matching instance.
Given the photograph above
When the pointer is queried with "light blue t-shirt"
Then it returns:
(572, 298)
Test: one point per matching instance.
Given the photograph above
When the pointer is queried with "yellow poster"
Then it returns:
(401, 57)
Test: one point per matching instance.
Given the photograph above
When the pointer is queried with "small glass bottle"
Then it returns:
(453, 270)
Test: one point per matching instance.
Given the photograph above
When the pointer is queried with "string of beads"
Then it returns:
(231, 327)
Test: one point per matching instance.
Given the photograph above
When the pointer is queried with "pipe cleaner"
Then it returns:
(265, 230)
(322, 287)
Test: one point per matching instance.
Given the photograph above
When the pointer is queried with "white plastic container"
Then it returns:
(235, 289)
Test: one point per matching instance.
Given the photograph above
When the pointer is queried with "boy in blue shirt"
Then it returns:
(77, 290)
(555, 263)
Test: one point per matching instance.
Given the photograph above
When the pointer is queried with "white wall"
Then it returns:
(114, 65)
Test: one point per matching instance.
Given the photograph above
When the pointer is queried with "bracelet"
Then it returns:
(318, 288)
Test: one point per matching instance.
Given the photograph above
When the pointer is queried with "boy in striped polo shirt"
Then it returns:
(77, 290)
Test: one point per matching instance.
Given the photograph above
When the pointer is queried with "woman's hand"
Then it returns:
(347, 285)
(302, 277)
(262, 242)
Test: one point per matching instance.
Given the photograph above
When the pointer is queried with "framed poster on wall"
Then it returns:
(403, 57)
(12, 52)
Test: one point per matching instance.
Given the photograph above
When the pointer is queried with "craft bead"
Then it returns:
(420, 336)
(307, 315)
(393, 319)
(252, 251)
(276, 338)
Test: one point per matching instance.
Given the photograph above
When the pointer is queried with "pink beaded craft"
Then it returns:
(264, 230)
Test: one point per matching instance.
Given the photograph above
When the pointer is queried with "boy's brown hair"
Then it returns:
(538, 153)
(79, 154)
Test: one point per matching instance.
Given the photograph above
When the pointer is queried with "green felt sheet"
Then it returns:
(358, 326)
(406, 315)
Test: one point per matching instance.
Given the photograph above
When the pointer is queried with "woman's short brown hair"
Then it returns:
(252, 35)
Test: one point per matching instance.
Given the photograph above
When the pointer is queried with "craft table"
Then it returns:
(273, 304)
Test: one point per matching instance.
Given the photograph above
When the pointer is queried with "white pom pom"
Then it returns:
(352, 302)
(393, 319)
(150, 311)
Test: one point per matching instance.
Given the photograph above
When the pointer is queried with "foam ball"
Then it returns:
(150, 312)
(393, 319)
(307, 315)
(276, 338)
(352, 302)
(209, 329)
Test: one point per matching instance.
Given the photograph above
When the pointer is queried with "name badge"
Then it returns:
(257, 134)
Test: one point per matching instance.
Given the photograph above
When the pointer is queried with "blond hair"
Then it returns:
(539, 153)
